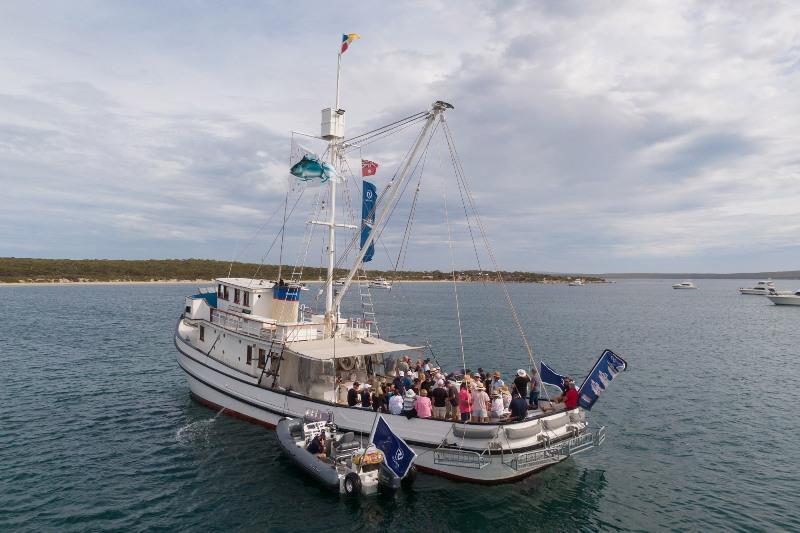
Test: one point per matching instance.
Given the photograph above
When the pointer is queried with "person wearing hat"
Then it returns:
(353, 395)
(365, 396)
(521, 383)
(399, 382)
(409, 404)
(480, 404)
(497, 382)
(498, 408)
(439, 399)
(453, 412)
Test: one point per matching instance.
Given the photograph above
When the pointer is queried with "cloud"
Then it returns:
(596, 137)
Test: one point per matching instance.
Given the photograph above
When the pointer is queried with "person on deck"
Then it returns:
(533, 396)
(521, 383)
(497, 383)
(353, 395)
(498, 409)
(568, 400)
(480, 404)
(365, 396)
(396, 404)
(399, 383)
(317, 446)
(410, 404)
(423, 405)
(439, 400)
(464, 402)
(452, 401)
(518, 407)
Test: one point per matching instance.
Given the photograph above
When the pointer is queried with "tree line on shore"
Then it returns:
(26, 270)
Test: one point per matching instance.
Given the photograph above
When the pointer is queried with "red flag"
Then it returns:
(368, 168)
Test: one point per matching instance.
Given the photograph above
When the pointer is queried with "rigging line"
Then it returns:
(469, 226)
(384, 135)
(453, 269)
(283, 228)
(490, 251)
(420, 161)
(387, 126)
(404, 242)
(283, 233)
(252, 238)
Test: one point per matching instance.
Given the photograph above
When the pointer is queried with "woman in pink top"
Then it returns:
(464, 402)
(423, 405)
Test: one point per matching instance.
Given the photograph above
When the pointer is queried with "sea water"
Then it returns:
(98, 431)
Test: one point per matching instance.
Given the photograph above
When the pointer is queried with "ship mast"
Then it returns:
(333, 132)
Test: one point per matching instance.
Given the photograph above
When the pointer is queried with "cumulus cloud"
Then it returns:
(610, 136)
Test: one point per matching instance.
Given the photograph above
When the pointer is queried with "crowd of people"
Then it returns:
(421, 390)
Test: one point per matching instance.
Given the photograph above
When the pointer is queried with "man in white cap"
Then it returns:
(399, 382)
(521, 383)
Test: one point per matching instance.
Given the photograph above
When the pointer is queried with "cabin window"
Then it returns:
(246, 299)
(225, 292)
(249, 354)
(202, 333)
(262, 358)
(236, 295)
(219, 290)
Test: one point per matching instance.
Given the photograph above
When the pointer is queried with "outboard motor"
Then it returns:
(388, 480)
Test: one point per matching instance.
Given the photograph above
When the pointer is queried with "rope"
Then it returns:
(462, 177)
(453, 269)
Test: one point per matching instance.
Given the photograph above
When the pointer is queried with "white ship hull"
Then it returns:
(785, 300)
(759, 292)
(219, 386)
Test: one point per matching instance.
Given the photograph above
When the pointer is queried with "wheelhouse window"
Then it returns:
(236, 295)
(262, 358)
(246, 300)
(219, 290)
(202, 333)
(225, 292)
(249, 354)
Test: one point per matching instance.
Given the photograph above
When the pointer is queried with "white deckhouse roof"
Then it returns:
(326, 349)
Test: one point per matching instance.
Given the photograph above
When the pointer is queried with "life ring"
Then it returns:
(347, 363)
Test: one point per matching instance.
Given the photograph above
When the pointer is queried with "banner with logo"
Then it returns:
(605, 370)
(397, 454)
(370, 195)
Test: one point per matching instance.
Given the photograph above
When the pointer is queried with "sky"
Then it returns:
(596, 136)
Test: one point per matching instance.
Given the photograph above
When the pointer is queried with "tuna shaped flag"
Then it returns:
(309, 167)
(368, 168)
(348, 38)
(368, 217)
(396, 453)
(605, 370)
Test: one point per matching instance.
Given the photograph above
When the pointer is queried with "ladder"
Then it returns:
(367, 307)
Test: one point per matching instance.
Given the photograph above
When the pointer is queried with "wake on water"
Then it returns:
(196, 431)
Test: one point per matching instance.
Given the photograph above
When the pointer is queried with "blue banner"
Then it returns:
(548, 376)
(605, 370)
(370, 197)
(397, 455)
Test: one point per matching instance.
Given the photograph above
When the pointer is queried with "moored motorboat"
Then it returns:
(577, 282)
(380, 283)
(687, 284)
(761, 288)
(784, 298)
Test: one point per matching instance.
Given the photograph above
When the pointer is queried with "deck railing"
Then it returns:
(240, 324)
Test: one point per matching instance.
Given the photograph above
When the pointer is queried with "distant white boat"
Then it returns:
(782, 298)
(339, 282)
(760, 288)
(380, 283)
(578, 282)
(685, 285)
